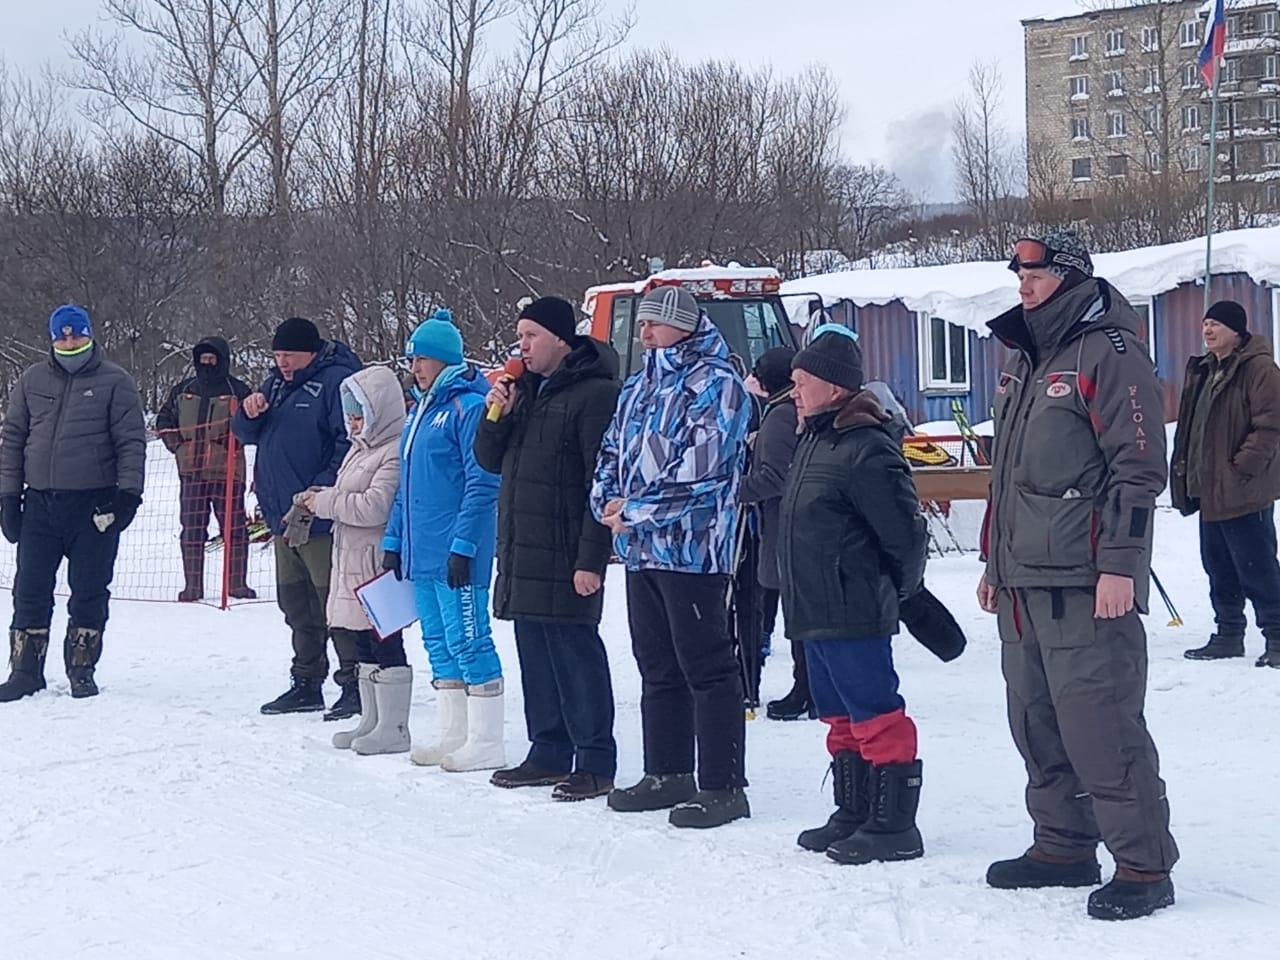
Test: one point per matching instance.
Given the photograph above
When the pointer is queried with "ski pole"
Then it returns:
(1177, 620)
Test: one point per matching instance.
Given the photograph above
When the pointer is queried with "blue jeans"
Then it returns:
(456, 633)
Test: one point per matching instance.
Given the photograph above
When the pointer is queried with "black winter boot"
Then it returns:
(1033, 871)
(527, 775)
(653, 792)
(1218, 648)
(711, 808)
(347, 705)
(1131, 895)
(27, 652)
(1271, 656)
(303, 696)
(581, 785)
(851, 780)
(890, 832)
(794, 706)
(82, 649)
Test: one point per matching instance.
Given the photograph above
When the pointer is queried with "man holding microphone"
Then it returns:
(542, 435)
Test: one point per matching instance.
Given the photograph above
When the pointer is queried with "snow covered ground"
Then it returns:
(168, 819)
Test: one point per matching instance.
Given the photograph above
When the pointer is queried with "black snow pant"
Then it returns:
(691, 682)
(1239, 555)
(57, 525)
(568, 697)
(799, 666)
(363, 646)
(197, 498)
(1076, 687)
(302, 589)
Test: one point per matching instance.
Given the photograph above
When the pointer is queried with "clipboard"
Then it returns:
(390, 604)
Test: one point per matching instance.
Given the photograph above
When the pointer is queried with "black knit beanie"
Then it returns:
(835, 357)
(297, 334)
(1231, 315)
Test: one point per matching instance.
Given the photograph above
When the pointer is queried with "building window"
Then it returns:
(1271, 153)
(1115, 83)
(1191, 117)
(1146, 323)
(1193, 158)
(1081, 169)
(1154, 161)
(1231, 71)
(1079, 128)
(1152, 84)
(1190, 76)
(1189, 36)
(1273, 198)
(944, 354)
(1117, 166)
(1233, 27)
(1115, 124)
(1235, 156)
(1270, 67)
(1267, 19)
(1080, 47)
(1150, 38)
(1151, 120)
(1271, 110)
(1227, 114)
(1079, 88)
(1115, 43)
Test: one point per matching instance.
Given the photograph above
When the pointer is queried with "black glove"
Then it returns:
(391, 561)
(931, 623)
(459, 571)
(11, 517)
(125, 507)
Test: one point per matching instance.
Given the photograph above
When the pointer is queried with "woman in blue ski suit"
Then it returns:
(441, 536)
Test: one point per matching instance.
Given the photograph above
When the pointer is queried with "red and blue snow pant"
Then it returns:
(855, 690)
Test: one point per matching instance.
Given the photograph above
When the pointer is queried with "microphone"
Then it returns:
(512, 370)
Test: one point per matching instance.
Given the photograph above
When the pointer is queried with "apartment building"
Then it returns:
(1116, 94)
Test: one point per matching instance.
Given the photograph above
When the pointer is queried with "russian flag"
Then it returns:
(1215, 43)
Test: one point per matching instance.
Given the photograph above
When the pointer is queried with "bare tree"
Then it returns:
(985, 161)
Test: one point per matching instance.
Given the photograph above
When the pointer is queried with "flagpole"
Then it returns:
(1213, 162)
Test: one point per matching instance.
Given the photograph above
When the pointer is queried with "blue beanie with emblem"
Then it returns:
(437, 339)
(70, 321)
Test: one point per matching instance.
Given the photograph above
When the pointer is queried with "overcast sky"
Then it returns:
(900, 63)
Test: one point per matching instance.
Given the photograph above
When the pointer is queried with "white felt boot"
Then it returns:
(484, 748)
(451, 713)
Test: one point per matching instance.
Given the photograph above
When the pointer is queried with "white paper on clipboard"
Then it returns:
(388, 603)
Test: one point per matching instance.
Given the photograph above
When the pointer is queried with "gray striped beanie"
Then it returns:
(672, 306)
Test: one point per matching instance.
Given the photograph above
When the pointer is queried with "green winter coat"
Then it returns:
(1079, 449)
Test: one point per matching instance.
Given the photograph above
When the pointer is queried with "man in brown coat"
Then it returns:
(1225, 465)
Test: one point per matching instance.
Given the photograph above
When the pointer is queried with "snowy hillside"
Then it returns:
(167, 819)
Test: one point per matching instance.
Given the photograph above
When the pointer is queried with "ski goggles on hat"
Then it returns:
(1034, 255)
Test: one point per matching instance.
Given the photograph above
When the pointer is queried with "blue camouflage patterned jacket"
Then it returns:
(674, 453)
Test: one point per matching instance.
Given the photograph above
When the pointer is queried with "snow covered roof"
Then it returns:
(970, 294)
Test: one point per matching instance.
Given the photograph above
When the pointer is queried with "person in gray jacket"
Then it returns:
(72, 453)
(1079, 458)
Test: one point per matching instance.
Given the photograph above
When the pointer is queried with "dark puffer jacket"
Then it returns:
(545, 450)
(81, 431)
(195, 422)
(767, 477)
(853, 542)
(302, 437)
